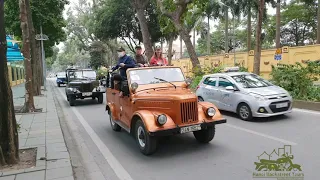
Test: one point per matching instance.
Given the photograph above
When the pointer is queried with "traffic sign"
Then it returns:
(279, 51)
(277, 57)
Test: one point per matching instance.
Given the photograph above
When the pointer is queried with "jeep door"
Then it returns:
(126, 110)
(113, 96)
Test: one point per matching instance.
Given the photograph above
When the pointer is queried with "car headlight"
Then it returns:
(162, 119)
(259, 98)
(211, 112)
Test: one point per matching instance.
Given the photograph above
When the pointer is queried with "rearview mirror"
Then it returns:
(229, 88)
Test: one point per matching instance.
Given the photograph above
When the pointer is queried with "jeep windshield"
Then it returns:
(83, 75)
(147, 76)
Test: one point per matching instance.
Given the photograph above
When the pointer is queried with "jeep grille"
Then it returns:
(189, 111)
(86, 87)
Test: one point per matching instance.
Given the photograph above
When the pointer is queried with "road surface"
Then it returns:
(230, 156)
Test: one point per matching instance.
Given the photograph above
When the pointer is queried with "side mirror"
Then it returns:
(134, 87)
(229, 88)
(188, 82)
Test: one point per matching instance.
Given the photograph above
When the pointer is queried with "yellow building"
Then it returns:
(289, 55)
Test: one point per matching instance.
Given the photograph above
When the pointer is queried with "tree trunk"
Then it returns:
(257, 56)
(318, 28)
(140, 6)
(278, 16)
(9, 142)
(192, 53)
(226, 44)
(170, 50)
(194, 38)
(39, 55)
(249, 30)
(208, 37)
(34, 57)
(181, 53)
(29, 103)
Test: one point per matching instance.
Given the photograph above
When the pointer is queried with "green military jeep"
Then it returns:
(82, 83)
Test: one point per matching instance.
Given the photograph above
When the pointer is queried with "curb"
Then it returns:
(314, 106)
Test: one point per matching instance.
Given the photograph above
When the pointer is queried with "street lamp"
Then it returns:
(42, 37)
(234, 30)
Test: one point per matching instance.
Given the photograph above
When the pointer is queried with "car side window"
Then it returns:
(223, 82)
(211, 81)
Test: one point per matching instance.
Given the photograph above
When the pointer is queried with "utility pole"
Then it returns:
(42, 37)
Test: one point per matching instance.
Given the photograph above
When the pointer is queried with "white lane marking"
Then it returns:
(306, 111)
(113, 162)
(262, 135)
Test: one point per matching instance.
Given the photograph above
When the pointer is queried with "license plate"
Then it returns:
(87, 94)
(190, 128)
(281, 105)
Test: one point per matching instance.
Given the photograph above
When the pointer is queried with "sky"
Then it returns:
(271, 11)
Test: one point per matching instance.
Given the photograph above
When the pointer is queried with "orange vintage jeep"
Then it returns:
(157, 102)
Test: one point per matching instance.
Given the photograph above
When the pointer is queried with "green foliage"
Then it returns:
(47, 13)
(298, 80)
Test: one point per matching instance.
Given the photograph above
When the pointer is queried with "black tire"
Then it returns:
(114, 125)
(244, 112)
(72, 100)
(93, 98)
(142, 137)
(100, 98)
(200, 99)
(205, 135)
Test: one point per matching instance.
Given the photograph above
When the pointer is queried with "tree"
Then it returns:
(140, 7)
(257, 51)
(9, 144)
(317, 3)
(176, 12)
(29, 102)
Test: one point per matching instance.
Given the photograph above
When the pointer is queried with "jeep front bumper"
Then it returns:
(174, 131)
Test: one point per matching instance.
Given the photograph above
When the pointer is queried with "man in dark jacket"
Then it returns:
(140, 59)
(124, 63)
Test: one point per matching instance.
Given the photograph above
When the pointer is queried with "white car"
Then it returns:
(244, 93)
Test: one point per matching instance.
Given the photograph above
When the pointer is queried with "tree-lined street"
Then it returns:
(231, 155)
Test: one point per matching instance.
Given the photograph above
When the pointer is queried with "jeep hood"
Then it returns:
(167, 93)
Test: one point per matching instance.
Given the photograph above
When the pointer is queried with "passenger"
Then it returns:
(124, 63)
(140, 59)
(157, 59)
(117, 83)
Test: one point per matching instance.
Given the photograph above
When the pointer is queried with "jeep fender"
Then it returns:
(149, 119)
(110, 107)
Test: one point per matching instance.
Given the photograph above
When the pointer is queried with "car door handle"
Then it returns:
(114, 93)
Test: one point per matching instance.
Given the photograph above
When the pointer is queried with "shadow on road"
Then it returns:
(257, 119)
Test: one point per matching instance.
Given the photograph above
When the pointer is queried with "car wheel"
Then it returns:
(205, 135)
(72, 100)
(114, 125)
(93, 98)
(244, 112)
(146, 143)
(200, 99)
(100, 98)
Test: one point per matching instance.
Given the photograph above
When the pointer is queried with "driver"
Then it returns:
(157, 59)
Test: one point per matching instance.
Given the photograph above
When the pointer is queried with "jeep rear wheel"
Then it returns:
(114, 125)
(205, 135)
(146, 143)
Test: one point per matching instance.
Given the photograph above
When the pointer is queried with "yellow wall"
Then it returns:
(18, 76)
(290, 55)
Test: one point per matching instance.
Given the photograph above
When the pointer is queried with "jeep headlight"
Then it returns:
(162, 119)
(98, 88)
(74, 90)
(211, 111)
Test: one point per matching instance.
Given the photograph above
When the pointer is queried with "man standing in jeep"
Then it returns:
(141, 59)
(124, 63)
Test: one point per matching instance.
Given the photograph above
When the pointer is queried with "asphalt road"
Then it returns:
(230, 156)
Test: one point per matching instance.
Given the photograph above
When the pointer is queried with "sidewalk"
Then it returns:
(43, 131)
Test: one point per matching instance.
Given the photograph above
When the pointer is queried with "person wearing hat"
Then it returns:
(157, 59)
(124, 63)
(140, 59)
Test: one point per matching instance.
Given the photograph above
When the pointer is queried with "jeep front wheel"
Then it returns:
(100, 98)
(205, 135)
(146, 143)
(114, 125)
(72, 100)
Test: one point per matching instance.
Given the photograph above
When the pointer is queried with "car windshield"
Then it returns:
(151, 76)
(61, 75)
(251, 81)
(82, 74)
